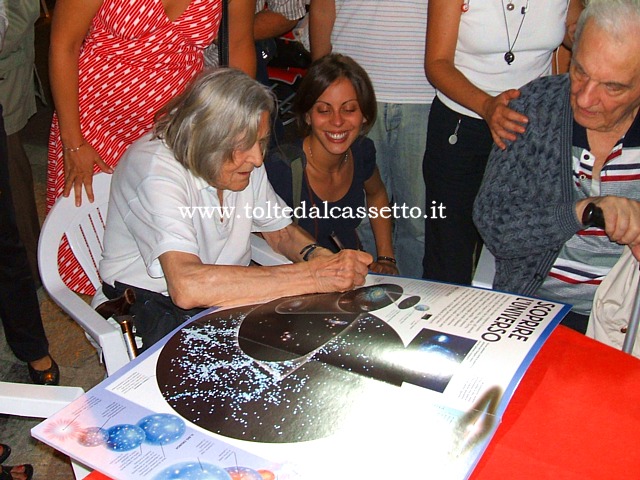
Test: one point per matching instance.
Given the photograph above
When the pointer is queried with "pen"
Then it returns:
(337, 241)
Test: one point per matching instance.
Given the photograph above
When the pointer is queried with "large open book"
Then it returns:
(401, 378)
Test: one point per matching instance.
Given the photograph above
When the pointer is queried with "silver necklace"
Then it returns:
(312, 161)
(509, 57)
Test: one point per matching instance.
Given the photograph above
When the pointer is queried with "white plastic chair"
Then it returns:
(39, 401)
(264, 255)
(84, 227)
(485, 270)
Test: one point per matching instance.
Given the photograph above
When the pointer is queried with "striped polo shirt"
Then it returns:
(588, 256)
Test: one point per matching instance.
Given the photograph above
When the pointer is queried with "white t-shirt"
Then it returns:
(151, 212)
(483, 41)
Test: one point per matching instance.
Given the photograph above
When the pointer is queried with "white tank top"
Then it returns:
(483, 42)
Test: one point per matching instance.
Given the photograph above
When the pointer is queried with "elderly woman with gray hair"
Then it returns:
(184, 202)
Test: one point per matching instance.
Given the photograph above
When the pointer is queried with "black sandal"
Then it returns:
(6, 451)
(5, 473)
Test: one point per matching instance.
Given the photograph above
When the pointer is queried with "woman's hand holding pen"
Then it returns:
(384, 265)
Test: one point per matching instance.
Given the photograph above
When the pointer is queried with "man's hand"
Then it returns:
(622, 220)
(504, 122)
(340, 272)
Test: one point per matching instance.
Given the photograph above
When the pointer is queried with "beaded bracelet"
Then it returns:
(382, 258)
(308, 250)
(73, 149)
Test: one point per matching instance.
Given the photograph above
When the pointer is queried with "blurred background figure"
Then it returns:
(478, 54)
(17, 96)
(273, 19)
(107, 84)
(387, 38)
(19, 307)
(334, 107)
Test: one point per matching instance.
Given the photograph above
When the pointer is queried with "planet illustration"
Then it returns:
(162, 428)
(443, 354)
(368, 299)
(93, 437)
(408, 302)
(124, 437)
(244, 473)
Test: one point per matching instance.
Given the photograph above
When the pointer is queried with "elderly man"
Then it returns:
(184, 201)
(581, 149)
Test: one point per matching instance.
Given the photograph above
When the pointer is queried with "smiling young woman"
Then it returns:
(339, 182)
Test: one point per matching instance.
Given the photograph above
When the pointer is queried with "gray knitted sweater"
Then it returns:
(525, 209)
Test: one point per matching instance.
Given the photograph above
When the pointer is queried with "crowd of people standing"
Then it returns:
(397, 88)
(453, 108)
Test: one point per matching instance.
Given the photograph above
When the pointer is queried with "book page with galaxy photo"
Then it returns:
(400, 378)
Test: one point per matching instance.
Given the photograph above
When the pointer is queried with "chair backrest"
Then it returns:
(84, 228)
(264, 255)
(485, 270)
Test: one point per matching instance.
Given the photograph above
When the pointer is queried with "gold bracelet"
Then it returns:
(73, 149)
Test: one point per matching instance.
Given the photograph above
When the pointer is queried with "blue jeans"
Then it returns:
(400, 137)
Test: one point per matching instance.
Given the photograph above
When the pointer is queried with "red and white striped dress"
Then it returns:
(133, 60)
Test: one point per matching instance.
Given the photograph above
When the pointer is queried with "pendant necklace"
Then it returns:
(311, 161)
(453, 138)
(509, 57)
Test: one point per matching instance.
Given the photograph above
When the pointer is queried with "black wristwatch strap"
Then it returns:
(308, 250)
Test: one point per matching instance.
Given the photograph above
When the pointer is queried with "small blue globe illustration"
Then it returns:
(125, 437)
(162, 428)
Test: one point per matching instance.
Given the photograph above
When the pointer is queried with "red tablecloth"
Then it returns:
(574, 416)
